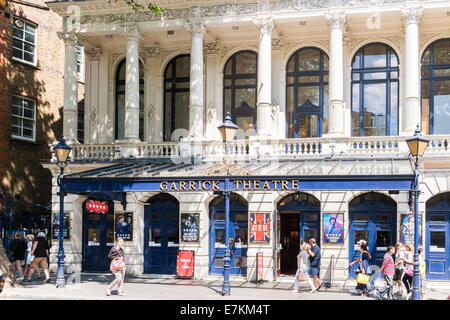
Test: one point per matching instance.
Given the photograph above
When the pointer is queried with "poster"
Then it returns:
(124, 226)
(189, 227)
(259, 227)
(55, 226)
(407, 228)
(185, 264)
(333, 227)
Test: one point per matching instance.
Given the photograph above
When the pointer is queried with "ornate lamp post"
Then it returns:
(417, 145)
(62, 151)
(227, 130)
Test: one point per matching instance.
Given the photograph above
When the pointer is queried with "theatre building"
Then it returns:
(324, 94)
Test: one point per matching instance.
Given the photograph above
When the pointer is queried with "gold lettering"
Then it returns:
(204, 185)
(275, 182)
(163, 185)
(294, 185)
(266, 185)
(215, 186)
(256, 184)
(192, 185)
(247, 185)
(237, 182)
(173, 186)
(284, 185)
(183, 185)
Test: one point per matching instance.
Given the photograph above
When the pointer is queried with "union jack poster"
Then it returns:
(260, 227)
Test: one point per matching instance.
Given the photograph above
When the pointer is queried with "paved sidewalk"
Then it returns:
(93, 286)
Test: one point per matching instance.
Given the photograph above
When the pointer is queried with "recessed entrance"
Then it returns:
(297, 222)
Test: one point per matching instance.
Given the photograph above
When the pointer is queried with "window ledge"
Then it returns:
(28, 64)
(18, 139)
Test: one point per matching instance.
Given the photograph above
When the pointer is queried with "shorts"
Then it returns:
(398, 275)
(39, 261)
(314, 271)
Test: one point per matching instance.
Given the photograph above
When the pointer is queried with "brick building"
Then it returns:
(31, 99)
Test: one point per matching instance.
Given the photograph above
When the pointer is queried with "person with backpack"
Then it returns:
(116, 258)
(388, 270)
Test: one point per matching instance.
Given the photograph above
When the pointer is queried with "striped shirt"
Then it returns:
(388, 262)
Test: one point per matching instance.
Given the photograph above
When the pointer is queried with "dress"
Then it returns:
(303, 268)
(29, 256)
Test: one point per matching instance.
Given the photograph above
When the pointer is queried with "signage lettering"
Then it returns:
(207, 185)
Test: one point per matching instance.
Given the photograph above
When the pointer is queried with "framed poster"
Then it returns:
(260, 227)
(123, 226)
(333, 227)
(55, 226)
(189, 227)
(407, 228)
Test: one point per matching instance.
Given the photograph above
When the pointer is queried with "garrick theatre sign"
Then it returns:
(207, 185)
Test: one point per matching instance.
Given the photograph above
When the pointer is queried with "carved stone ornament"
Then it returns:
(411, 15)
(132, 32)
(151, 52)
(151, 112)
(211, 112)
(274, 110)
(70, 39)
(93, 115)
(335, 19)
(212, 47)
(93, 53)
(276, 44)
(264, 23)
(195, 26)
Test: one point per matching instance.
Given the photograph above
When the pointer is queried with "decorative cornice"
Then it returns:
(411, 15)
(151, 52)
(335, 19)
(212, 47)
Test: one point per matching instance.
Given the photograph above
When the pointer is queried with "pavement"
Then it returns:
(89, 286)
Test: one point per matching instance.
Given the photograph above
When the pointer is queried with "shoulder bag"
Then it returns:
(117, 264)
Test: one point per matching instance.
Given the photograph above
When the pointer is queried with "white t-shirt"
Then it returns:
(409, 256)
(400, 255)
(305, 266)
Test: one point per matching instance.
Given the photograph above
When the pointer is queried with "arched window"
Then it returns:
(120, 101)
(239, 90)
(436, 88)
(375, 91)
(307, 93)
(176, 95)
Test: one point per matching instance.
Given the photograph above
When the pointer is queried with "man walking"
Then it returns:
(399, 266)
(314, 257)
(388, 269)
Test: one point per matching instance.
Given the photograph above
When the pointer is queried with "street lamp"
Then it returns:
(228, 131)
(62, 151)
(417, 145)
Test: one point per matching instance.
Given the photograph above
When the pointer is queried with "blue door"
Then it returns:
(161, 235)
(238, 228)
(437, 253)
(299, 221)
(98, 239)
(372, 218)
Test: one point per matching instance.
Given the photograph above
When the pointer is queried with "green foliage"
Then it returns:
(151, 6)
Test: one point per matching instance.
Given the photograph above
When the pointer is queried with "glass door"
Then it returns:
(437, 247)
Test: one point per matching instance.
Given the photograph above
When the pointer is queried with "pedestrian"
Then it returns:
(409, 266)
(116, 258)
(363, 266)
(303, 267)
(399, 267)
(40, 253)
(388, 270)
(18, 247)
(314, 259)
(29, 258)
(422, 270)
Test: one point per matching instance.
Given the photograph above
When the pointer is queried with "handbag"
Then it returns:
(118, 263)
(362, 278)
(302, 276)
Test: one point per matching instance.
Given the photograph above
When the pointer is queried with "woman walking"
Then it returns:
(117, 261)
(363, 267)
(409, 266)
(18, 248)
(303, 267)
(29, 257)
(40, 253)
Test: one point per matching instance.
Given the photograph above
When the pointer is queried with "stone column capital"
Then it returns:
(132, 32)
(93, 53)
(264, 23)
(212, 47)
(69, 38)
(335, 19)
(276, 44)
(411, 14)
(195, 26)
(151, 52)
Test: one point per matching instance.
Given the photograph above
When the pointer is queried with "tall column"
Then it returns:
(92, 89)
(264, 88)
(70, 108)
(196, 105)
(212, 108)
(132, 84)
(336, 22)
(411, 100)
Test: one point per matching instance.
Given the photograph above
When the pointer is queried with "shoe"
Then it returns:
(121, 293)
(46, 281)
(320, 286)
(294, 291)
(313, 291)
(20, 279)
(108, 292)
(26, 280)
(378, 295)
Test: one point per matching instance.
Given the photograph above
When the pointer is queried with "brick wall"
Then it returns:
(22, 174)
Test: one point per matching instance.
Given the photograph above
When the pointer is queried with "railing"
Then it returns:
(310, 147)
